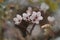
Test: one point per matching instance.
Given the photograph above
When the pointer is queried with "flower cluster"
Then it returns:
(33, 16)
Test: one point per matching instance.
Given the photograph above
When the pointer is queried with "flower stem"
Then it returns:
(32, 28)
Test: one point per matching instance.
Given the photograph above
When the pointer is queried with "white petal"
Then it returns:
(51, 19)
(44, 6)
(19, 17)
(40, 18)
(32, 17)
(38, 13)
(17, 23)
(30, 8)
(25, 15)
(15, 19)
(37, 22)
(28, 12)
(34, 13)
(24, 18)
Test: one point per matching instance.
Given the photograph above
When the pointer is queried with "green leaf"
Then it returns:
(53, 5)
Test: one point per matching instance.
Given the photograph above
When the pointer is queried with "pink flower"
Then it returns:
(36, 17)
(25, 16)
(17, 19)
